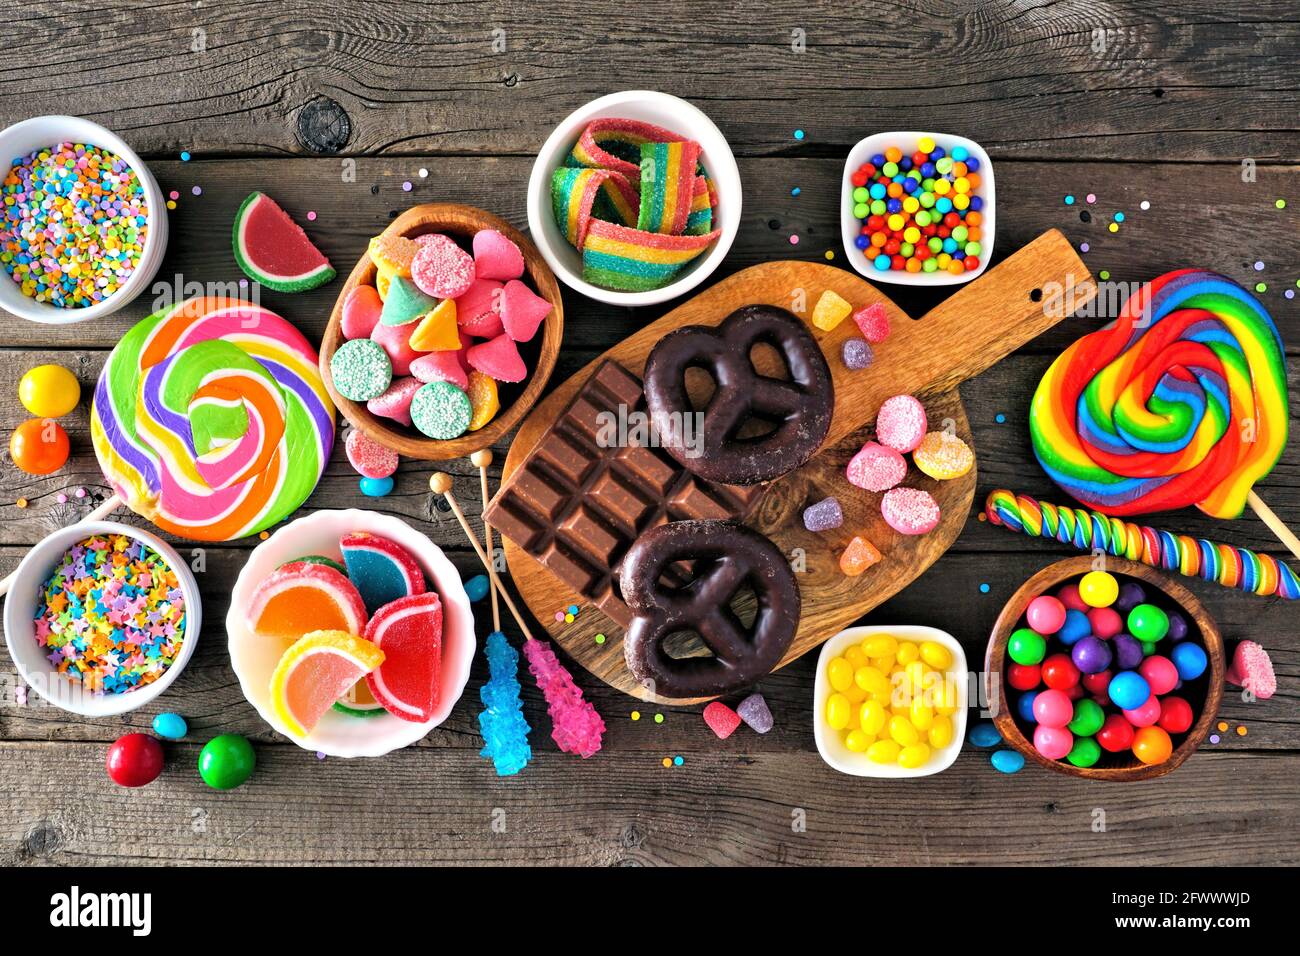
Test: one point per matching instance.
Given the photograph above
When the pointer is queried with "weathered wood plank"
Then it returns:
(1185, 80)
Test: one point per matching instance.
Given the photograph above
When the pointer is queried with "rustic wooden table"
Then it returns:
(333, 108)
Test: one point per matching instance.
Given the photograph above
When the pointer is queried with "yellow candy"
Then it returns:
(872, 716)
(940, 734)
(913, 756)
(936, 655)
(882, 645)
(943, 456)
(855, 694)
(393, 253)
(840, 673)
(483, 399)
(437, 331)
(837, 711)
(857, 741)
(49, 391)
(855, 656)
(907, 652)
(884, 751)
(885, 664)
(830, 311)
(383, 276)
(922, 715)
(872, 680)
(902, 731)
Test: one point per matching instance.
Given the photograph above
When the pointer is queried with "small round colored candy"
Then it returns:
(1052, 742)
(1145, 714)
(477, 587)
(39, 446)
(1152, 745)
(1160, 673)
(943, 456)
(1131, 594)
(49, 391)
(1177, 627)
(1084, 753)
(1045, 614)
(376, 487)
(441, 410)
(901, 423)
(360, 370)
(1105, 622)
(1147, 622)
(1059, 672)
(1007, 761)
(1052, 708)
(1091, 655)
(909, 510)
(1128, 690)
(1025, 707)
(368, 457)
(134, 760)
(170, 726)
(1024, 676)
(1026, 646)
(226, 761)
(984, 735)
(441, 268)
(1190, 660)
(1127, 650)
(876, 468)
(1096, 684)
(1175, 715)
(1087, 719)
(1116, 734)
(1098, 589)
(1076, 626)
(1069, 596)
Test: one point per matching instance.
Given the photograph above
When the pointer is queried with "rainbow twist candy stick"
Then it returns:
(1195, 557)
(1181, 400)
(211, 419)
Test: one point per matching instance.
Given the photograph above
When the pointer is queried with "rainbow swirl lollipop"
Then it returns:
(1182, 400)
(211, 420)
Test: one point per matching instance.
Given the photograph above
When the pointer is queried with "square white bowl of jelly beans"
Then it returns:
(848, 671)
(918, 208)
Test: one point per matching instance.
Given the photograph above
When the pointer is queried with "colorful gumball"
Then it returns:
(1024, 676)
(1127, 650)
(1160, 673)
(1147, 622)
(1098, 589)
(39, 446)
(1026, 646)
(1084, 753)
(1177, 627)
(1052, 742)
(1025, 707)
(1045, 614)
(1190, 660)
(1076, 692)
(1145, 714)
(134, 760)
(1087, 720)
(1175, 715)
(1069, 596)
(1152, 745)
(1116, 734)
(1091, 655)
(1076, 626)
(49, 391)
(1059, 672)
(1097, 683)
(1131, 594)
(1105, 622)
(1128, 690)
(1052, 708)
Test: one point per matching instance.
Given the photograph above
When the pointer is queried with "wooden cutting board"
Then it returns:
(927, 357)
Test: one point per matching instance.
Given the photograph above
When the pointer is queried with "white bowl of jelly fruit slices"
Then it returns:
(953, 692)
(357, 726)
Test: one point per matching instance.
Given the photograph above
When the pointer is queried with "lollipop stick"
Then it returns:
(481, 459)
(1266, 515)
(440, 483)
(99, 514)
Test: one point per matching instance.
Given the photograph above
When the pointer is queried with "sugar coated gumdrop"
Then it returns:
(909, 510)
(858, 555)
(753, 710)
(722, 720)
(873, 322)
(831, 309)
(901, 423)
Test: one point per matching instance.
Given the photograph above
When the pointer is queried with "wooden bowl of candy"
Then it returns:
(1111, 674)
(419, 407)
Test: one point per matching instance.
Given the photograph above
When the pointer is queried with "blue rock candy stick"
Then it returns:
(502, 724)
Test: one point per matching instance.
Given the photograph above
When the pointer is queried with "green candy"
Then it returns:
(1026, 646)
(361, 370)
(1088, 718)
(1085, 751)
(226, 761)
(405, 302)
(1147, 622)
(441, 410)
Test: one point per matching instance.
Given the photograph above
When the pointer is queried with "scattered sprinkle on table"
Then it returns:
(185, 156)
(678, 760)
(600, 638)
(1214, 738)
(668, 761)
(406, 186)
(311, 216)
(1119, 217)
(1091, 197)
(424, 173)
(21, 502)
(795, 191)
(1069, 200)
(1241, 730)
(112, 614)
(984, 589)
(1261, 286)
(1144, 205)
(1083, 247)
(1105, 274)
(636, 715)
(659, 718)
(196, 190)
(798, 134)
(794, 240)
(1281, 204)
(1000, 418)
(1259, 265)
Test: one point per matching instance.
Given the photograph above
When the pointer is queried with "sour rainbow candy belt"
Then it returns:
(1194, 557)
(211, 420)
(1189, 407)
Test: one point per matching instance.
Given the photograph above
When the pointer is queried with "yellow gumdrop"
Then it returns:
(855, 694)
(936, 655)
(830, 310)
(907, 652)
(914, 756)
(871, 680)
(881, 645)
(940, 734)
(855, 656)
(872, 716)
(902, 731)
(837, 711)
(922, 715)
(883, 751)
(840, 673)
(857, 741)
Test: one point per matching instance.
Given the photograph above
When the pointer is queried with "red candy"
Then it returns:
(1024, 676)
(1059, 672)
(134, 760)
(1160, 673)
(1175, 715)
(722, 720)
(1069, 596)
(1097, 683)
(1116, 734)
(1105, 621)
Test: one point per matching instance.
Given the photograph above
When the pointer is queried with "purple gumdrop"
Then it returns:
(1091, 655)
(856, 353)
(1128, 651)
(1131, 594)
(1177, 627)
(824, 515)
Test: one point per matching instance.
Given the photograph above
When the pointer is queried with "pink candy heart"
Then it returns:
(441, 367)
(361, 312)
(496, 257)
(522, 310)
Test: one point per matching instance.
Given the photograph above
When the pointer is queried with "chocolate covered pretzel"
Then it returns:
(725, 558)
(800, 406)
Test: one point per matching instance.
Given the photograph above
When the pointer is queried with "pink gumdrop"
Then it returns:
(478, 311)
(496, 256)
(498, 358)
(1069, 596)
(876, 468)
(1105, 621)
(1053, 708)
(395, 401)
(901, 424)
(361, 311)
(873, 322)
(1160, 673)
(368, 457)
(522, 310)
(1053, 742)
(909, 510)
(1145, 715)
(441, 268)
(441, 367)
(1045, 614)
(396, 341)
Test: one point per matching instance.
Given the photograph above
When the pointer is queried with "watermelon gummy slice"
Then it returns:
(272, 249)
(502, 723)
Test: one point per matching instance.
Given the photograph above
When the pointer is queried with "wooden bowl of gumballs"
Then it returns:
(445, 333)
(1111, 674)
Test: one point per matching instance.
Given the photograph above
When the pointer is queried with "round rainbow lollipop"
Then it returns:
(1182, 400)
(211, 420)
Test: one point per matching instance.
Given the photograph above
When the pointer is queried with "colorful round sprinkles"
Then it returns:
(112, 614)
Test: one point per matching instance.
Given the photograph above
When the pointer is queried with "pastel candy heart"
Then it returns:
(395, 402)
(396, 341)
(361, 311)
(496, 257)
(441, 268)
(478, 310)
(404, 302)
(522, 310)
(437, 331)
(441, 367)
(498, 358)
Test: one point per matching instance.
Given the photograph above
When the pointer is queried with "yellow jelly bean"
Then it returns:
(914, 677)
(884, 751)
(913, 756)
(872, 716)
(907, 652)
(837, 711)
(902, 731)
(871, 680)
(882, 645)
(857, 741)
(853, 717)
(940, 732)
(922, 715)
(936, 655)
(840, 673)
(855, 694)
(855, 656)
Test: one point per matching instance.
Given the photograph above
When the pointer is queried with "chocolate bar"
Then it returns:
(579, 500)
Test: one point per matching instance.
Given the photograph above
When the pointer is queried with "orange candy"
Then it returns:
(39, 446)
(1152, 745)
(858, 556)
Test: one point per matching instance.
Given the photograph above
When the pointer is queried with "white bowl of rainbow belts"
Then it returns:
(647, 243)
(155, 633)
(864, 671)
(121, 249)
(921, 210)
